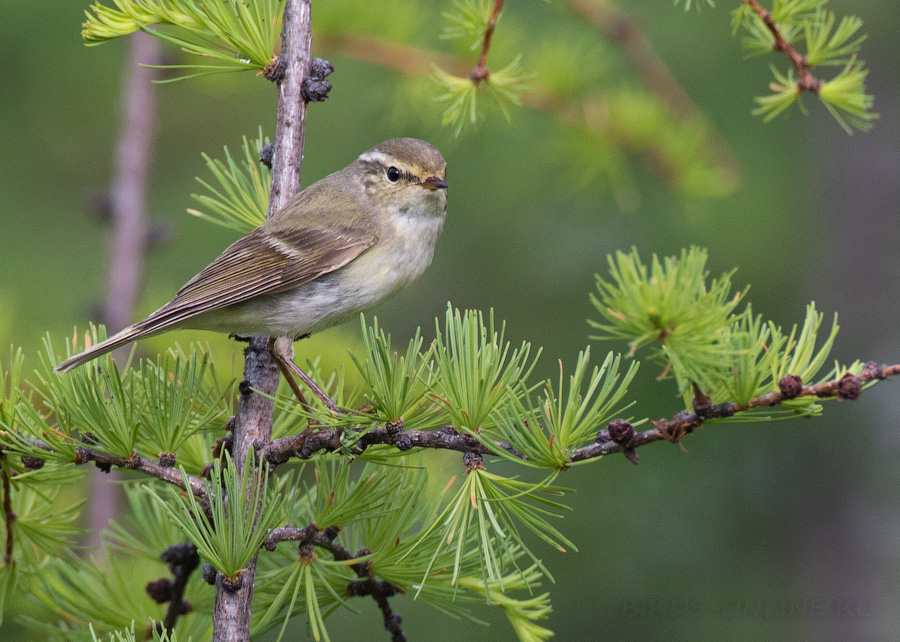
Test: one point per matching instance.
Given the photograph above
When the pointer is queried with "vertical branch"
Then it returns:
(129, 186)
(8, 515)
(253, 423)
(254, 419)
(290, 127)
(128, 199)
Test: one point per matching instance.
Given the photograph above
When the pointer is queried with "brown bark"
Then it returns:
(253, 424)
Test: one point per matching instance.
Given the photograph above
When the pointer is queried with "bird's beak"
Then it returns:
(433, 182)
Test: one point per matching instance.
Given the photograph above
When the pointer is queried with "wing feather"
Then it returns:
(269, 260)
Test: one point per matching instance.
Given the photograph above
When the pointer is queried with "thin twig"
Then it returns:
(368, 584)
(307, 444)
(687, 421)
(288, 534)
(9, 516)
(480, 72)
(806, 82)
(304, 446)
(84, 455)
(381, 590)
(311, 534)
(182, 560)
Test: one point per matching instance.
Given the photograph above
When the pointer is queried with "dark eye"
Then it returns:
(393, 174)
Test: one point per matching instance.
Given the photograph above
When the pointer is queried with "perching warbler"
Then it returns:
(341, 246)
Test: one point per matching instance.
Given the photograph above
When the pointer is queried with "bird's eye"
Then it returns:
(393, 174)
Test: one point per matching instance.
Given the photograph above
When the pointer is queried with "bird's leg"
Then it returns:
(286, 373)
(283, 353)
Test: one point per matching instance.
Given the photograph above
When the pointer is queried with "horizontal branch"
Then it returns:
(305, 445)
(169, 474)
(309, 535)
(308, 443)
(847, 387)
(147, 466)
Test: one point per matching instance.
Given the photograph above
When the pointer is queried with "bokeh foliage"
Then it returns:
(612, 177)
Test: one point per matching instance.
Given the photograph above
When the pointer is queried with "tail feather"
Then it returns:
(127, 335)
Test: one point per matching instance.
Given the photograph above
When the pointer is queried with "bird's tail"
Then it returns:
(129, 334)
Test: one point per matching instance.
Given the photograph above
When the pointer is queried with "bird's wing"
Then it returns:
(269, 260)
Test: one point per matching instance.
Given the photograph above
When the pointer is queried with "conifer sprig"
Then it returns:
(241, 200)
(239, 35)
(810, 36)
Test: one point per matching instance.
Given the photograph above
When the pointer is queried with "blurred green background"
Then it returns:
(787, 530)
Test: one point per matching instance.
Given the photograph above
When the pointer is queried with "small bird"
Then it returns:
(340, 247)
